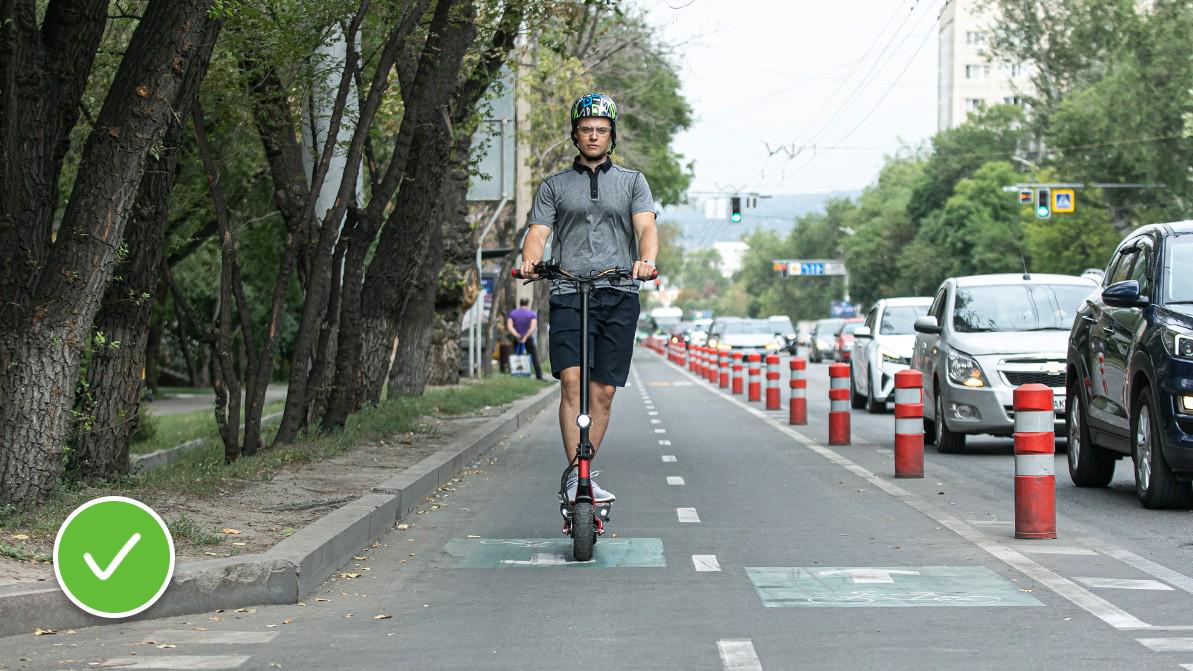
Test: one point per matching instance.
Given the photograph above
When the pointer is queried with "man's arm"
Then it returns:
(509, 326)
(534, 325)
(648, 244)
(533, 246)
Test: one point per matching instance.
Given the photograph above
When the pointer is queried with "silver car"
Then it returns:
(985, 335)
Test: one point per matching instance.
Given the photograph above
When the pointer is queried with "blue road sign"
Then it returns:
(811, 268)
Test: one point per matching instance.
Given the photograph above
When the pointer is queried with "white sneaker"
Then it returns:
(599, 495)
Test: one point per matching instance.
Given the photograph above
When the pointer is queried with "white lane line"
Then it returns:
(652, 413)
(660, 430)
(737, 654)
(1116, 583)
(675, 480)
(1065, 588)
(1168, 644)
(1174, 578)
(687, 515)
(706, 563)
(196, 662)
(1058, 550)
(664, 442)
(668, 458)
(212, 637)
(656, 421)
(990, 523)
(1187, 667)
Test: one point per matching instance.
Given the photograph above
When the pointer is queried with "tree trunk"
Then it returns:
(114, 376)
(408, 375)
(41, 341)
(372, 307)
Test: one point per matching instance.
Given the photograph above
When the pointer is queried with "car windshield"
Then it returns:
(828, 327)
(782, 325)
(750, 328)
(849, 328)
(1018, 307)
(1180, 261)
(900, 320)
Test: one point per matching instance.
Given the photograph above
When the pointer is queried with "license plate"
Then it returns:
(1058, 404)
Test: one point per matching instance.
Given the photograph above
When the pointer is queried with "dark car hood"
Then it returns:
(1181, 314)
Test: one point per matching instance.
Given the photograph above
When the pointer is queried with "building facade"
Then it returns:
(968, 81)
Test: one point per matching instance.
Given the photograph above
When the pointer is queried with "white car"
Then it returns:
(882, 347)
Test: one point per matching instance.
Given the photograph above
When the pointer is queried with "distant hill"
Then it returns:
(777, 214)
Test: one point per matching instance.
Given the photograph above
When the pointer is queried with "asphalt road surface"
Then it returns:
(737, 543)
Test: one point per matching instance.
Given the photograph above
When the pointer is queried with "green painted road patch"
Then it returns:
(885, 587)
(544, 552)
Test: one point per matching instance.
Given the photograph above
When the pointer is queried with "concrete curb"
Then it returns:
(148, 462)
(297, 565)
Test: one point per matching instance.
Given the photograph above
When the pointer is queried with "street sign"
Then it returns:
(809, 267)
(1063, 200)
(842, 309)
(1025, 196)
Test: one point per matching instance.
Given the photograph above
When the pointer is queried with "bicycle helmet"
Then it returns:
(595, 105)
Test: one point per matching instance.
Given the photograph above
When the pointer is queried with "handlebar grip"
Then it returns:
(517, 273)
(654, 274)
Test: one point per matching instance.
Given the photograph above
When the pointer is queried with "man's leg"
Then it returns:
(600, 399)
(569, 409)
(533, 351)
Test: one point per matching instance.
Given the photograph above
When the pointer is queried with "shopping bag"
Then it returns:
(520, 363)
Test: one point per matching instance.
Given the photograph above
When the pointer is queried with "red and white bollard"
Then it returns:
(774, 397)
(714, 364)
(738, 375)
(754, 370)
(724, 359)
(799, 391)
(838, 405)
(702, 364)
(909, 424)
(1035, 473)
(693, 357)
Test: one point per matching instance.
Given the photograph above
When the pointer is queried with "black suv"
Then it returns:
(1130, 369)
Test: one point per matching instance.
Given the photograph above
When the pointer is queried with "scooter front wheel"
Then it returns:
(583, 531)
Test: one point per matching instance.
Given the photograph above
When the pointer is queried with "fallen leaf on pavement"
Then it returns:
(473, 536)
(321, 599)
(271, 626)
(349, 575)
(246, 610)
(231, 532)
(44, 632)
(287, 621)
(240, 544)
(216, 618)
(20, 537)
(359, 558)
(383, 616)
(403, 526)
(166, 646)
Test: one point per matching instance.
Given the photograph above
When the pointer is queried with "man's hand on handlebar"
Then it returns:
(643, 271)
(526, 270)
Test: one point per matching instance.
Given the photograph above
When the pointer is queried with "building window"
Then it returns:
(975, 71)
(1014, 70)
(975, 38)
(1013, 100)
(974, 104)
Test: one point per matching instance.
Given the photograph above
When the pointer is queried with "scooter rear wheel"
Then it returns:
(583, 531)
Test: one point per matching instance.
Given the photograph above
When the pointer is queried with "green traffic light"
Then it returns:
(735, 218)
(1042, 212)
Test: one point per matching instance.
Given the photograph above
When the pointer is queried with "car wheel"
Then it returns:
(1089, 465)
(856, 400)
(929, 429)
(874, 405)
(947, 442)
(1155, 484)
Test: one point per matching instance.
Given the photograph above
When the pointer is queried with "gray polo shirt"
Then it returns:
(590, 213)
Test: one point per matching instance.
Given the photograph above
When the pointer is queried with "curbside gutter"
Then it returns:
(294, 567)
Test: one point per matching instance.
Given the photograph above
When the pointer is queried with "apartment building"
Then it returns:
(967, 80)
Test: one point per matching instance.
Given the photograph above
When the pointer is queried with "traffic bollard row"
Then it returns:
(738, 376)
(799, 392)
(774, 399)
(838, 394)
(909, 424)
(724, 381)
(1035, 475)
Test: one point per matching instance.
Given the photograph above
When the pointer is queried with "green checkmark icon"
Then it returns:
(113, 557)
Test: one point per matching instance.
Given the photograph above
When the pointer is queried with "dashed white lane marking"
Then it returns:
(656, 421)
(1058, 550)
(212, 637)
(1187, 667)
(664, 442)
(737, 654)
(1062, 586)
(1116, 583)
(687, 515)
(652, 413)
(1168, 644)
(668, 458)
(990, 523)
(675, 480)
(196, 662)
(660, 430)
(706, 563)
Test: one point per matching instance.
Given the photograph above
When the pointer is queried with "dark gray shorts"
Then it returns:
(612, 322)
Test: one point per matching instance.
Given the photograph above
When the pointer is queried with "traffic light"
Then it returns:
(1043, 203)
(735, 209)
(1025, 196)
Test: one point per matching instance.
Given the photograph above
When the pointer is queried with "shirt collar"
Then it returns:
(580, 167)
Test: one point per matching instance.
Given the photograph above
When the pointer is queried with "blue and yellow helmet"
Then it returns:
(595, 105)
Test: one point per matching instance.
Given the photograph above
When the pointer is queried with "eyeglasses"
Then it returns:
(589, 130)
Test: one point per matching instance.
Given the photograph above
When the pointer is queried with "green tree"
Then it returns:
(881, 227)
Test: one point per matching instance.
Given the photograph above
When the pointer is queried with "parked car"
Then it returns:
(783, 327)
(1130, 365)
(822, 338)
(843, 341)
(717, 328)
(882, 347)
(983, 336)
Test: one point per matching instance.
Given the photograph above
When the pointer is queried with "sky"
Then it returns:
(838, 83)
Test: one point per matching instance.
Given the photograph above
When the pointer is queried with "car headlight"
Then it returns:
(822, 344)
(889, 356)
(1177, 343)
(964, 370)
(772, 345)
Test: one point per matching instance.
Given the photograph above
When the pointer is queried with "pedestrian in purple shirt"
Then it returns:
(522, 324)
